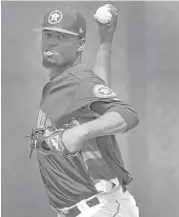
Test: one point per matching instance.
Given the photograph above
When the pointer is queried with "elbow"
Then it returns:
(132, 121)
(129, 115)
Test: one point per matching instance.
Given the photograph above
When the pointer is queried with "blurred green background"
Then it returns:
(145, 73)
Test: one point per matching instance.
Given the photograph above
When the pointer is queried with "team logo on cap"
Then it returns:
(55, 17)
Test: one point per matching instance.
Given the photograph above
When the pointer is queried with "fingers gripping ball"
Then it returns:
(103, 14)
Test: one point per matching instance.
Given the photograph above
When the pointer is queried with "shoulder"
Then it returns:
(82, 72)
(92, 87)
(89, 84)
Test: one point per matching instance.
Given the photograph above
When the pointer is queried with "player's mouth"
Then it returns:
(49, 53)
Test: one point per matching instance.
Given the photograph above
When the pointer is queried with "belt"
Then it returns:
(75, 211)
(90, 203)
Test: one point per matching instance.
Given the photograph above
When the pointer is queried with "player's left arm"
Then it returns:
(112, 119)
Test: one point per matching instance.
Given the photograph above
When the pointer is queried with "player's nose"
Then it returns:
(52, 41)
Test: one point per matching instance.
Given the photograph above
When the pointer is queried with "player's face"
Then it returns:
(58, 49)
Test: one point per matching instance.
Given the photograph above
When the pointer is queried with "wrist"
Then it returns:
(80, 131)
(105, 48)
(106, 41)
(83, 131)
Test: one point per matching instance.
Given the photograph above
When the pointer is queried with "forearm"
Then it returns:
(102, 66)
(108, 124)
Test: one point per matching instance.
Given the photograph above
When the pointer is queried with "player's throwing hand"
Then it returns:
(106, 31)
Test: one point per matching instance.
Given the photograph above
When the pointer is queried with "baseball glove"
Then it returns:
(49, 141)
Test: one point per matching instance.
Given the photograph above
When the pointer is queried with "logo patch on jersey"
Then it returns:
(55, 17)
(102, 91)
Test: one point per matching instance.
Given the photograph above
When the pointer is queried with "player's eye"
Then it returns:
(63, 37)
(48, 35)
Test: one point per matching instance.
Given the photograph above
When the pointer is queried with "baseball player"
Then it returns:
(79, 158)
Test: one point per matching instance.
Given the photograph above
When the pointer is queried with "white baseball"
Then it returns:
(103, 15)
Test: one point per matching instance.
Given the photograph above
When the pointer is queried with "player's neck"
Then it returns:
(55, 71)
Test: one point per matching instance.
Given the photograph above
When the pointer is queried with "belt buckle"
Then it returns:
(82, 206)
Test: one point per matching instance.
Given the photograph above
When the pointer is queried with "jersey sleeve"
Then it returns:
(99, 99)
(125, 110)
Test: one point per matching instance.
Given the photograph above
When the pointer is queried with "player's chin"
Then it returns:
(48, 63)
(51, 62)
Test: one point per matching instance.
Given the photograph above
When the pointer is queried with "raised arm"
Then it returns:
(102, 65)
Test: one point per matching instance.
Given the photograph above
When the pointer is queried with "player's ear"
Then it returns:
(81, 44)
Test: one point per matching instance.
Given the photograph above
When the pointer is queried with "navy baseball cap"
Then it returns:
(65, 20)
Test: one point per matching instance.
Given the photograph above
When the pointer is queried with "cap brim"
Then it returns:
(56, 30)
